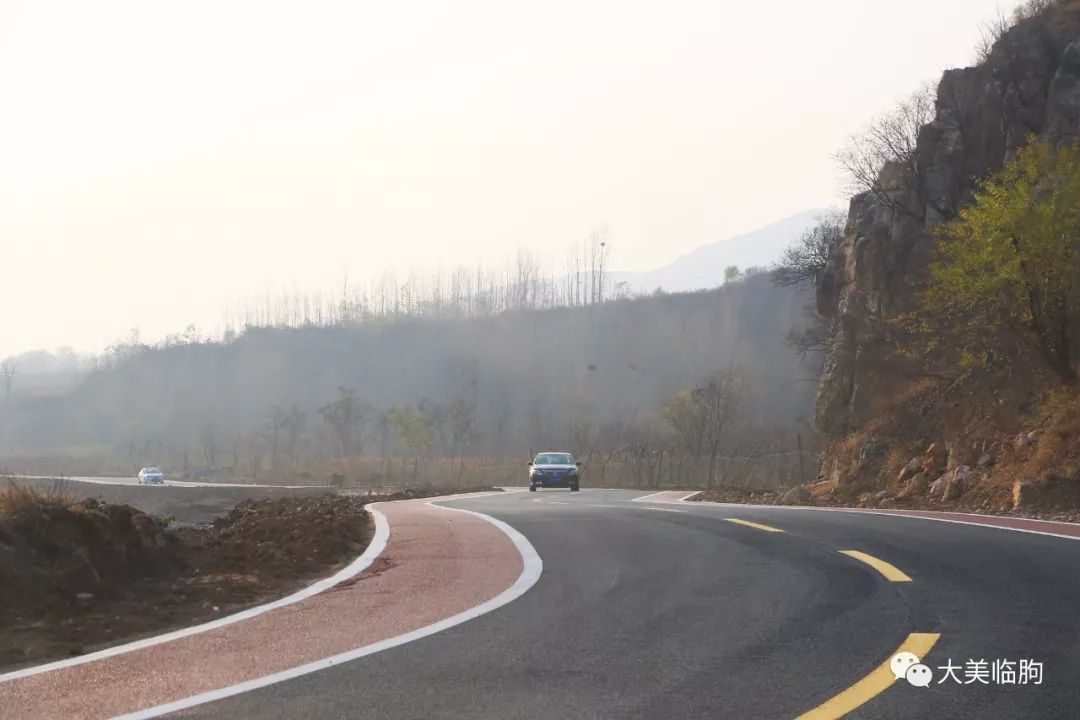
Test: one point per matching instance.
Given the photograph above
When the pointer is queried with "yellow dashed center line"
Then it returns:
(891, 572)
(659, 509)
(759, 526)
(873, 684)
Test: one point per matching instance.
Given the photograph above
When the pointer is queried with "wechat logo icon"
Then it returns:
(906, 665)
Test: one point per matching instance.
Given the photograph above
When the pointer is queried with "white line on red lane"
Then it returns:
(357, 566)
(533, 566)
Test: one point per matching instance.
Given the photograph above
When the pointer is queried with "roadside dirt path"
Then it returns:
(437, 563)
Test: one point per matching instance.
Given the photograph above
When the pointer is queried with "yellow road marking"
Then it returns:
(659, 509)
(891, 572)
(759, 526)
(880, 679)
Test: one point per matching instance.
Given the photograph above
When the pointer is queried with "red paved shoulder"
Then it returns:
(437, 563)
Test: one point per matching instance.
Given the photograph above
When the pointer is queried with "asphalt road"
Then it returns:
(134, 481)
(661, 611)
(187, 502)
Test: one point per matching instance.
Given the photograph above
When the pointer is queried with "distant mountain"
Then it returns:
(704, 267)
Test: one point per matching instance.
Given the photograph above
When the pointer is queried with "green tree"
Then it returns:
(1007, 264)
(701, 416)
(347, 416)
(413, 427)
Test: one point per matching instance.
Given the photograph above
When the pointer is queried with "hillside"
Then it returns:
(595, 379)
(905, 398)
(703, 268)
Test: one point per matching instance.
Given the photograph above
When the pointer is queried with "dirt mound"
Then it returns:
(281, 537)
(743, 496)
(77, 574)
(53, 546)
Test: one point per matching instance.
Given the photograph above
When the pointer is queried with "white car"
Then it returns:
(151, 476)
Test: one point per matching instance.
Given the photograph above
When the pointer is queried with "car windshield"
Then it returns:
(554, 459)
(152, 470)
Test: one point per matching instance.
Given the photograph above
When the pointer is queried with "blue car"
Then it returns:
(554, 469)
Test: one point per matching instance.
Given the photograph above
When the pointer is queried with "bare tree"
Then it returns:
(276, 422)
(347, 417)
(462, 423)
(236, 440)
(995, 28)
(882, 158)
(579, 430)
(256, 452)
(813, 337)
(209, 438)
(701, 416)
(7, 375)
(721, 397)
(990, 32)
(294, 422)
(732, 273)
(599, 246)
(806, 260)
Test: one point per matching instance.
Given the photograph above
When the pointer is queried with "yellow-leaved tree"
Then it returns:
(1008, 265)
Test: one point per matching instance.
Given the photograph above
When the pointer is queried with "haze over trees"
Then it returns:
(385, 397)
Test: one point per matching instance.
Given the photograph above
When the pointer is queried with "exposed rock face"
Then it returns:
(1029, 85)
(913, 467)
(1049, 491)
(937, 488)
(935, 459)
(797, 496)
(957, 484)
(915, 486)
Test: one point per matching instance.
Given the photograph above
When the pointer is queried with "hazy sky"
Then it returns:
(161, 160)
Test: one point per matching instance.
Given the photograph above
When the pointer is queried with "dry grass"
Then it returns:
(22, 503)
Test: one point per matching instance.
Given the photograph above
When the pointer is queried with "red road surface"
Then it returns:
(437, 563)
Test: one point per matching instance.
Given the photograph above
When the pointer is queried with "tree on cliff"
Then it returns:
(805, 259)
(1008, 263)
(883, 158)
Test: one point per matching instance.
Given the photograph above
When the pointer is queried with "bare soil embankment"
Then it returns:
(78, 574)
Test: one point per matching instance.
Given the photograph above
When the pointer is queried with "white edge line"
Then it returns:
(167, 483)
(645, 498)
(855, 511)
(532, 567)
(374, 549)
(357, 566)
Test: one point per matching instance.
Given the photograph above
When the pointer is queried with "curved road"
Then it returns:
(649, 610)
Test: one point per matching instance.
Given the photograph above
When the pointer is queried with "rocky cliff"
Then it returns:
(1029, 84)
